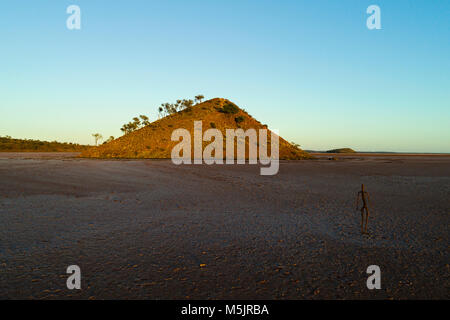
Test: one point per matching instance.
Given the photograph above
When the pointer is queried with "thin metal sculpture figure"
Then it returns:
(364, 208)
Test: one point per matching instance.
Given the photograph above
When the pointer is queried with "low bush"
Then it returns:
(229, 109)
(239, 119)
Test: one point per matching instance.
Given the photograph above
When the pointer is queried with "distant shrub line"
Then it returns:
(20, 145)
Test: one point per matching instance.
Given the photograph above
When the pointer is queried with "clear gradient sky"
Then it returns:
(311, 69)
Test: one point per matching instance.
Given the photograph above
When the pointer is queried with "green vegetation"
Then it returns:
(229, 108)
(111, 138)
(239, 119)
(199, 98)
(8, 144)
(342, 150)
(135, 124)
(97, 137)
(166, 109)
(295, 145)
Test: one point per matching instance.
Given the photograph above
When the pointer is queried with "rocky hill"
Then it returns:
(154, 140)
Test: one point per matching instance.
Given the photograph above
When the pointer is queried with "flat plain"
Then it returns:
(148, 229)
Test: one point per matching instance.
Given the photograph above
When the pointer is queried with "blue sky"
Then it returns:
(311, 69)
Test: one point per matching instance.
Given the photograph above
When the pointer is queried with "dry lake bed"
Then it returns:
(147, 229)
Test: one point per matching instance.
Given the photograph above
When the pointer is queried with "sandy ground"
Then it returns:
(142, 229)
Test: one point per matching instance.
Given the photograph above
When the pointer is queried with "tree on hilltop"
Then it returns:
(144, 119)
(97, 137)
(188, 103)
(135, 124)
(167, 109)
(295, 145)
(199, 98)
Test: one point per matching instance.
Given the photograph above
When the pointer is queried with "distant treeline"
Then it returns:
(342, 150)
(8, 144)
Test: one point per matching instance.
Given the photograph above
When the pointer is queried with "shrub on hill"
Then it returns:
(229, 108)
(167, 109)
(135, 124)
(239, 119)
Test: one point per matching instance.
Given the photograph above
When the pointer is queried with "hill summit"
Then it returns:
(154, 140)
